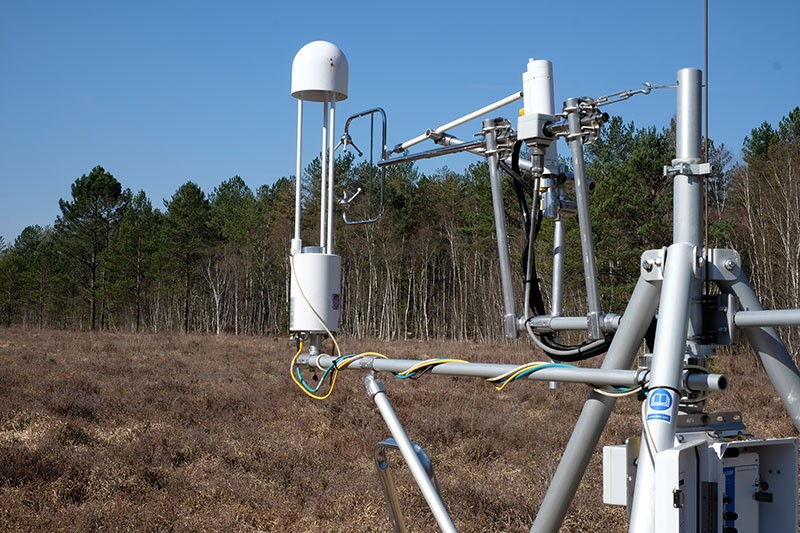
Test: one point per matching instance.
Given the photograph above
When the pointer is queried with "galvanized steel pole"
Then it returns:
(377, 393)
(589, 427)
(506, 278)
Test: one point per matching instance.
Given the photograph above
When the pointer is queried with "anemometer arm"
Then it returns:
(402, 147)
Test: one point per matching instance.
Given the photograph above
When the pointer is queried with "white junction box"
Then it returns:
(615, 480)
(714, 486)
(315, 292)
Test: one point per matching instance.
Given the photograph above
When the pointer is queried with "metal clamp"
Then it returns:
(689, 169)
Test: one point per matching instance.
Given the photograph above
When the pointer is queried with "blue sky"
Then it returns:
(160, 93)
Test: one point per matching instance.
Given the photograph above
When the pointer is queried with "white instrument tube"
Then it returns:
(331, 148)
(297, 243)
(323, 175)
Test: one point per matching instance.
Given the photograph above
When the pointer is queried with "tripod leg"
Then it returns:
(662, 406)
(769, 349)
(597, 409)
(426, 484)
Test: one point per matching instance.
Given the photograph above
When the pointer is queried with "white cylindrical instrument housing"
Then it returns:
(315, 292)
(319, 73)
(537, 87)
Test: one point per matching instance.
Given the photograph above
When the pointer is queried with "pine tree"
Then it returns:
(130, 256)
(186, 240)
(85, 228)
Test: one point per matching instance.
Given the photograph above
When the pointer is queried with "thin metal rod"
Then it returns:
(769, 348)
(389, 491)
(597, 409)
(558, 267)
(298, 181)
(331, 148)
(457, 122)
(323, 176)
(506, 276)
(705, 137)
(705, 69)
(377, 393)
(584, 224)
(436, 152)
(769, 318)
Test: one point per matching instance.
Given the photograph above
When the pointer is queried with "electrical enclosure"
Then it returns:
(315, 300)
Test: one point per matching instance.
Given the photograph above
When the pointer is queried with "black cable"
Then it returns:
(536, 301)
(554, 349)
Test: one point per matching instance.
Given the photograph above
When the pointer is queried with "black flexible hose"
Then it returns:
(554, 349)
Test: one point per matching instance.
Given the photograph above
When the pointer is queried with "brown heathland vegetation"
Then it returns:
(125, 432)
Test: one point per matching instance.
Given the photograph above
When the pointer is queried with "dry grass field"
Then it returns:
(124, 432)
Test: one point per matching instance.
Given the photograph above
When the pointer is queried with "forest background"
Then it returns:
(217, 262)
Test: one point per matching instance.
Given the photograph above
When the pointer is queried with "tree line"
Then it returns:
(218, 261)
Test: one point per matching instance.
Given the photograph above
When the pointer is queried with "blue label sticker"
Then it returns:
(660, 400)
(659, 416)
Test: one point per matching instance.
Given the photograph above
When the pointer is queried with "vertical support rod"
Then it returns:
(680, 315)
(689, 191)
(377, 393)
(323, 175)
(661, 411)
(331, 148)
(584, 224)
(297, 243)
(597, 409)
(769, 348)
(506, 279)
(558, 266)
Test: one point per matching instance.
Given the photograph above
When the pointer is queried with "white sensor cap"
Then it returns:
(319, 73)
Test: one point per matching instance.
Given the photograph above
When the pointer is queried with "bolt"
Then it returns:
(647, 264)
(730, 264)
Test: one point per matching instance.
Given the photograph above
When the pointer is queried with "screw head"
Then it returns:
(730, 264)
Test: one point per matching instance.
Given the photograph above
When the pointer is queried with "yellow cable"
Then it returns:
(617, 394)
(335, 371)
(371, 354)
(302, 388)
(511, 375)
(351, 359)
(427, 363)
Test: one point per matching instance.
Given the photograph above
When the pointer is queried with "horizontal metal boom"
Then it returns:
(767, 318)
(696, 381)
(436, 152)
(457, 122)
